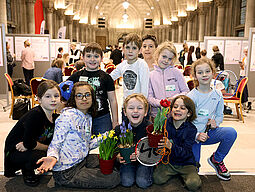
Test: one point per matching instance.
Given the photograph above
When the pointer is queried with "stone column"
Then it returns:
(86, 33)
(174, 32)
(220, 18)
(49, 20)
(61, 17)
(167, 28)
(250, 17)
(77, 30)
(195, 26)
(69, 19)
(3, 15)
(189, 25)
(180, 30)
(201, 34)
(30, 16)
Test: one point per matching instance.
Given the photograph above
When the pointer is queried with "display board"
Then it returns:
(233, 49)
(55, 44)
(193, 43)
(1, 50)
(179, 47)
(230, 47)
(9, 39)
(252, 60)
(40, 45)
(211, 43)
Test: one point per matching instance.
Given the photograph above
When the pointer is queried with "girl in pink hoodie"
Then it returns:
(166, 81)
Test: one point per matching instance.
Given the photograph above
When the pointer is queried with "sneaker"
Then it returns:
(31, 180)
(220, 168)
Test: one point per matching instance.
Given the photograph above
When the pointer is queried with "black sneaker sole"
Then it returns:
(218, 175)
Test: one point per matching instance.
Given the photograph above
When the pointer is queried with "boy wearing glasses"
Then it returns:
(103, 86)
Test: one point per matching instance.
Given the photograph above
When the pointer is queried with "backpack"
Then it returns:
(21, 88)
(20, 108)
(181, 57)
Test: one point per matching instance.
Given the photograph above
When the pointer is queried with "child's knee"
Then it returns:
(159, 179)
(193, 183)
(127, 181)
(143, 182)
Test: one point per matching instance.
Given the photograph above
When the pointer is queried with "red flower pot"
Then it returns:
(154, 139)
(106, 166)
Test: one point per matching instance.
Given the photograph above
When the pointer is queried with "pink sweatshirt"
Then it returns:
(165, 83)
(27, 57)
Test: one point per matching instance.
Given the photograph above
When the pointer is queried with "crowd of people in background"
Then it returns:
(89, 106)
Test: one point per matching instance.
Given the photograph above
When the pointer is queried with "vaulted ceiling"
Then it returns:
(161, 11)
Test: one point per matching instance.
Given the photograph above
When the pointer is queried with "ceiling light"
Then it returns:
(152, 7)
(125, 4)
(96, 7)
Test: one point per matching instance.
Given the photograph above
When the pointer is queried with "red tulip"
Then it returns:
(165, 103)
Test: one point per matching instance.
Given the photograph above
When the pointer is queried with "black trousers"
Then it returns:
(26, 161)
(28, 74)
(10, 69)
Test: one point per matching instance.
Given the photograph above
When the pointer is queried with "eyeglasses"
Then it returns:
(80, 96)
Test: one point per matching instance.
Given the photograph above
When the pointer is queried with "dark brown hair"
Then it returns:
(189, 104)
(151, 37)
(45, 86)
(93, 47)
(133, 37)
(71, 101)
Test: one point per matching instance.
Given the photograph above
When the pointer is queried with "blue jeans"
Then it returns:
(101, 124)
(131, 173)
(225, 136)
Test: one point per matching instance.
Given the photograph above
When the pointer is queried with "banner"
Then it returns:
(42, 27)
(38, 11)
(62, 33)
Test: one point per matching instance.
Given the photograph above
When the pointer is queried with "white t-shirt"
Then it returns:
(135, 77)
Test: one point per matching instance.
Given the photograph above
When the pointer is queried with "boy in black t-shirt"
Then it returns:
(103, 86)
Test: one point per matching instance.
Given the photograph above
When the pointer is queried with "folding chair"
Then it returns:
(68, 71)
(34, 83)
(236, 99)
(13, 97)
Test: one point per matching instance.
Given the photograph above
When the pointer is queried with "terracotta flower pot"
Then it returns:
(126, 152)
(153, 139)
(106, 166)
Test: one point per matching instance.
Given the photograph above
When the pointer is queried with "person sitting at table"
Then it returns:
(55, 73)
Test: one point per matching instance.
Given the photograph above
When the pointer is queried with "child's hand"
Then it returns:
(120, 158)
(212, 122)
(133, 157)
(20, 147)
(47, 164)
(202, 137)
(165, 142)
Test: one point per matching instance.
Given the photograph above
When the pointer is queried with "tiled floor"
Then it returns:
(239, 160)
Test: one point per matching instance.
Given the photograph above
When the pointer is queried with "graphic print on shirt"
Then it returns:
(130, 78)
(95, 83)
(48, 133)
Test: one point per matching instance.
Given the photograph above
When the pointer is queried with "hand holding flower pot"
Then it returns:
(155, 131)
(126, 146)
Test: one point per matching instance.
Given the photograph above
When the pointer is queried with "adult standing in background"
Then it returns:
(116, 55)
(10, 60)
(60, 52)
(191, 56)
(149, 46)
(75, 54)
(28, 65)
(218, 58)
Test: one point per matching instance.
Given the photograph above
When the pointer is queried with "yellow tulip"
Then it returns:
(104, 137)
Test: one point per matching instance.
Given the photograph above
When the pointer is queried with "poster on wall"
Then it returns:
(179, 47)
(211, 43)
(192, 43)
(53, 53)
(40, 45)
(202, 46)
(233, 51)
(9, 39)
(252, 61)
(19, 46)
(1, 50)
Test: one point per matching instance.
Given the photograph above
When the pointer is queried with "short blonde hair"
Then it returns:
(165, 45)
(200, 62)
(139, 97)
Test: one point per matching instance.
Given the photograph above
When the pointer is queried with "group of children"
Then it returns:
(87, 112)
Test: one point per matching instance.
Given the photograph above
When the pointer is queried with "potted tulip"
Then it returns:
(126, 146)
(107, 151)
(155, 131)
